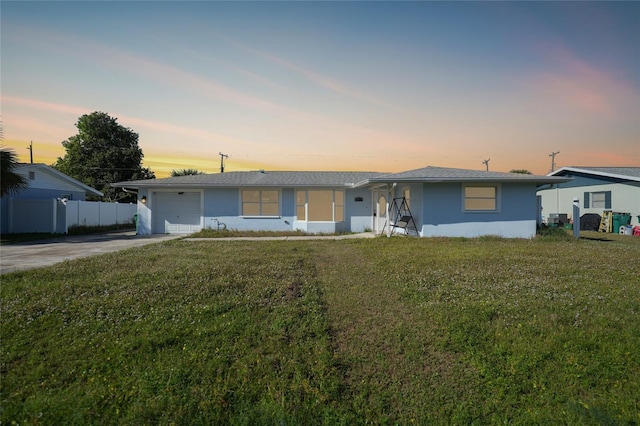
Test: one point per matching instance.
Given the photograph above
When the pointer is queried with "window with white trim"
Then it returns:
(260, 202)
(481, 198)
(598, 200)
(320, 205)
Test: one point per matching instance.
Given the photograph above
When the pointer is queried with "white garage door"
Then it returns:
(176, 212)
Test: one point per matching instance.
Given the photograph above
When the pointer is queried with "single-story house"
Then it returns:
(44, 183)
(596, 188)
(432, 201)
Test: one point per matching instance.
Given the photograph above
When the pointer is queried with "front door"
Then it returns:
(380, 210)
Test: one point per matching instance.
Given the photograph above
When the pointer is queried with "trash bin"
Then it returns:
(620, 219)
(135, 220)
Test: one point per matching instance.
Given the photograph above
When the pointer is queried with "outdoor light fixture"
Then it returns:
(143, 200)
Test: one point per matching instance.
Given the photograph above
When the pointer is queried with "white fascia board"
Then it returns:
(594, 173)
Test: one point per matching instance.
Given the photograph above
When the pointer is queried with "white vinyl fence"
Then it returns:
(56, 216)
(95, 213)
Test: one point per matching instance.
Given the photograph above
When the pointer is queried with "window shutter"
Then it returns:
(586, 200)
(607, 200)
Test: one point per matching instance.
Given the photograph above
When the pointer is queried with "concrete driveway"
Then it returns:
(36, 254)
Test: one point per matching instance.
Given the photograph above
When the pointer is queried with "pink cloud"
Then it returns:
(49, 106)
(576, 83)
(113, 58)
(77, 111)
(170, 75)
(312, 76)
(612, 159)
(167, 75)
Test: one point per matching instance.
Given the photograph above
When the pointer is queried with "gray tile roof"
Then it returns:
(630, 173)
(347, 179)
(257, 179)
(444, 174)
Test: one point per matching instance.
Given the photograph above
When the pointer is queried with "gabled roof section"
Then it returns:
(255, 179)
(444, 174)
(626, 173)
(26, 168)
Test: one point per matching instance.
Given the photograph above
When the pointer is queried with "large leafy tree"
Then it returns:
(103, 152)
(10, 181)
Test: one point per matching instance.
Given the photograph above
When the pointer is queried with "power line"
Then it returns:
(112, 168)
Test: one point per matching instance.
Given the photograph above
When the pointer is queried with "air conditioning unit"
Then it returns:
(557, 219)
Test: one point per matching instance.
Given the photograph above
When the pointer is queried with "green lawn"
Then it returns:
(398, 330)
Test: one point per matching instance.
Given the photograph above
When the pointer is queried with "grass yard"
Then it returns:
(398, 330)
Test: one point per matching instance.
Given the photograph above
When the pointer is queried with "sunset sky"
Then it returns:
(374, 86)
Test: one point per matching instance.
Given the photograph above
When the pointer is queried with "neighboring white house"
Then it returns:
(597, 189)
(46, 182)
(54, 201)
(440, 202)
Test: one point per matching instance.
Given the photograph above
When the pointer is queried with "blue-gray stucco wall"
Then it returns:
(222, 206)
(358, 216)
(443, 204)
(226, 202)
(288, 202)
(222, 202)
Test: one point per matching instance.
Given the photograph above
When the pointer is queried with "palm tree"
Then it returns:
(10, 181)
(186, 172)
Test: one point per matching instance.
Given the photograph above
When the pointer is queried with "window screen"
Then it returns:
(320, 205)
(260, 202)
(480, 198)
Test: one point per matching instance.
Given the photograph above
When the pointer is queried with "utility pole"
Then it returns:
(222, 157)
(553, 160)
(486, 163)
(30, 148)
